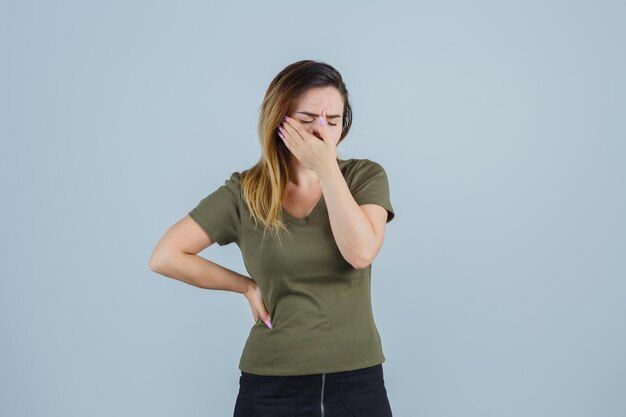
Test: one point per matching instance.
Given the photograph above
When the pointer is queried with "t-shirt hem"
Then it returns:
(381, 203)
(275, 372)
(210, 229)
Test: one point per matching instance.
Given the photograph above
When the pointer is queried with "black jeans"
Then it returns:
(357, 393)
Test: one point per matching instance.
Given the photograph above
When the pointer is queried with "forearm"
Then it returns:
(200, 272)
(352, 230)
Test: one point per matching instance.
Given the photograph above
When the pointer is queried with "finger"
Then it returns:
(265, 316)
(294, 138)
(282, 128)
(293, 126)
(287, 140)
(323, 122)
(323, 125)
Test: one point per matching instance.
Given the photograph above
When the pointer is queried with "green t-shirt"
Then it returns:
(319, 304)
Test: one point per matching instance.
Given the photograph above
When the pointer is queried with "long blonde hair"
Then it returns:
(263, 185)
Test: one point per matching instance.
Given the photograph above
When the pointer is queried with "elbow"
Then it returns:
(156, 262)
(153, 264)
(361, 260)
(360, 265)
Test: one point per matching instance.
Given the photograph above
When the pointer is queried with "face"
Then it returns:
(310, 104)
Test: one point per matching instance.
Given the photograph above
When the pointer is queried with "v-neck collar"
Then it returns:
(306, 220)
(309, 217)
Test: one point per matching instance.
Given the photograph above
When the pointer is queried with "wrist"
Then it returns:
(250, 283)
(329, 171)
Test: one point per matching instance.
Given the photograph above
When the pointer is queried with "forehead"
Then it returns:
(316, 98)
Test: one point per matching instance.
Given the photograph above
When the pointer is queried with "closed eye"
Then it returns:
(332, 124)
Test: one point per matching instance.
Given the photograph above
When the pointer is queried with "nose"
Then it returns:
(315, 128)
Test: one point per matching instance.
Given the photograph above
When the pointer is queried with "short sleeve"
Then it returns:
(219, 213)
(370, 185)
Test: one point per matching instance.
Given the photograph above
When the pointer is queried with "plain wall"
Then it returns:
(500, 289)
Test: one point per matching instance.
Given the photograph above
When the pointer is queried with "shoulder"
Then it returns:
(228, 189)
(235, 178)
(369, 166)
(233, 183)
(360, 169)
(359, 164)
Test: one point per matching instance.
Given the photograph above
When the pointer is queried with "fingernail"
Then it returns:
(286, 118)
(268, 322)
(322, 121)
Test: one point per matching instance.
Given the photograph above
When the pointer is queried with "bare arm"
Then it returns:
(358, 230)
(175, 256)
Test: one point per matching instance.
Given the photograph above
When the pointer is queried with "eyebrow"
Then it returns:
(332, 116)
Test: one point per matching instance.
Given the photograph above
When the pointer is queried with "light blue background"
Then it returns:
(500, 290)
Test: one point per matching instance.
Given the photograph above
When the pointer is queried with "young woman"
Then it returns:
(308, 225)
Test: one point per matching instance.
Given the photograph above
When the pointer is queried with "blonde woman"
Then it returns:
(308, 225)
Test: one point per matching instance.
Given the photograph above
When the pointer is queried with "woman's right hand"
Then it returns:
(254, 297)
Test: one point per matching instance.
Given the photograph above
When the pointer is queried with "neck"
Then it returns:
(302, 176)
